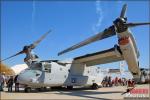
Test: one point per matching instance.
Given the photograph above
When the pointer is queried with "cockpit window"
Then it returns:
(36, 66)
(47, 68)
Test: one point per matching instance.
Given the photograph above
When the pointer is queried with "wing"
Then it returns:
(102, 57)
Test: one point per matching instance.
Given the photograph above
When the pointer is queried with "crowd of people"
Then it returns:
(8, 81)
(109, 82)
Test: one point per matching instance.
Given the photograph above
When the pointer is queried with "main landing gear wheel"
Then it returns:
(70, 87)
(56, 87)
(39, 89)
(27, 89)
(95, 86)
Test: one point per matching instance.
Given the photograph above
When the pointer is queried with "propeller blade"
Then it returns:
(136, 24)
(21, 52)
(105, 34)
(32, 46)
(123, 11)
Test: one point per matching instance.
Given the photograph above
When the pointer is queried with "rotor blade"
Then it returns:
(13, 55)
(136, 24)
(32, 46)
(123, 11)
(105, 34)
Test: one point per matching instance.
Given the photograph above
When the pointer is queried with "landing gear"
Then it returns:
(56, 87)
(39, 89)
(44, 88)
(70, 87)
(27, 89)
(95, 86)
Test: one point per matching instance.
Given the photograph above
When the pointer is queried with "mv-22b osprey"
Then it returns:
(81, 70)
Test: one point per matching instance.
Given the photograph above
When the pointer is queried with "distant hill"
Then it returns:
(6, 69)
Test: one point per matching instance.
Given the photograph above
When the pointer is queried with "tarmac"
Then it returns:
(105, 93)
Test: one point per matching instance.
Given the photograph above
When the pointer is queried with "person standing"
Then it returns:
(119, 81)
(106, 81)
(116, 81)
(2, 81)
(10, 84)
(130, 86)
(16, 84)
(109, 81)
(113, 82)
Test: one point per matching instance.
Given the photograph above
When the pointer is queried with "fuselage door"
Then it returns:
(47, 73)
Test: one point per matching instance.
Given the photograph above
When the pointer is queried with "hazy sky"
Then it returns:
(23, 22)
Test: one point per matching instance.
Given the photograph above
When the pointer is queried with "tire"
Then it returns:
(27, 89)
(39, 89)
(44, 88)
(70, 87)
(95, 86)
(56, 87)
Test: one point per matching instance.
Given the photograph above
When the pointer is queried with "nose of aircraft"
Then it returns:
(24, 77)
(28, 76)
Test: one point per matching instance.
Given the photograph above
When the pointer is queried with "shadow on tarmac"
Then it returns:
(80, 92)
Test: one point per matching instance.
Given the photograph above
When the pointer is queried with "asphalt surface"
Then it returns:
(106, 93)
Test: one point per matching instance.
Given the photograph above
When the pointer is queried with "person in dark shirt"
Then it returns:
(104, 82)
(16, 84)
(116, 81)
(109, 81)
(10, 84)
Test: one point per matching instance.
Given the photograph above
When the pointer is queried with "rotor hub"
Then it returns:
(26, 49)
(119, 23)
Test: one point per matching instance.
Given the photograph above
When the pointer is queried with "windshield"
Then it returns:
(36, 66)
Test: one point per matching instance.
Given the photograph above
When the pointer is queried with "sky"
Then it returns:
(23, 22)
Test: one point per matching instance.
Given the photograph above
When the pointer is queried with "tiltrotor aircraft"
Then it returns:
(126, 48)
(81, 70)
(55, 73)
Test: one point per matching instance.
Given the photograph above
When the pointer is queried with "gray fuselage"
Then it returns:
(49, 74)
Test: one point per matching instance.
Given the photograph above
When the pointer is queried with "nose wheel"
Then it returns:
(95, 86)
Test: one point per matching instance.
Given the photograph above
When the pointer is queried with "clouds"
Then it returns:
(99, 12)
